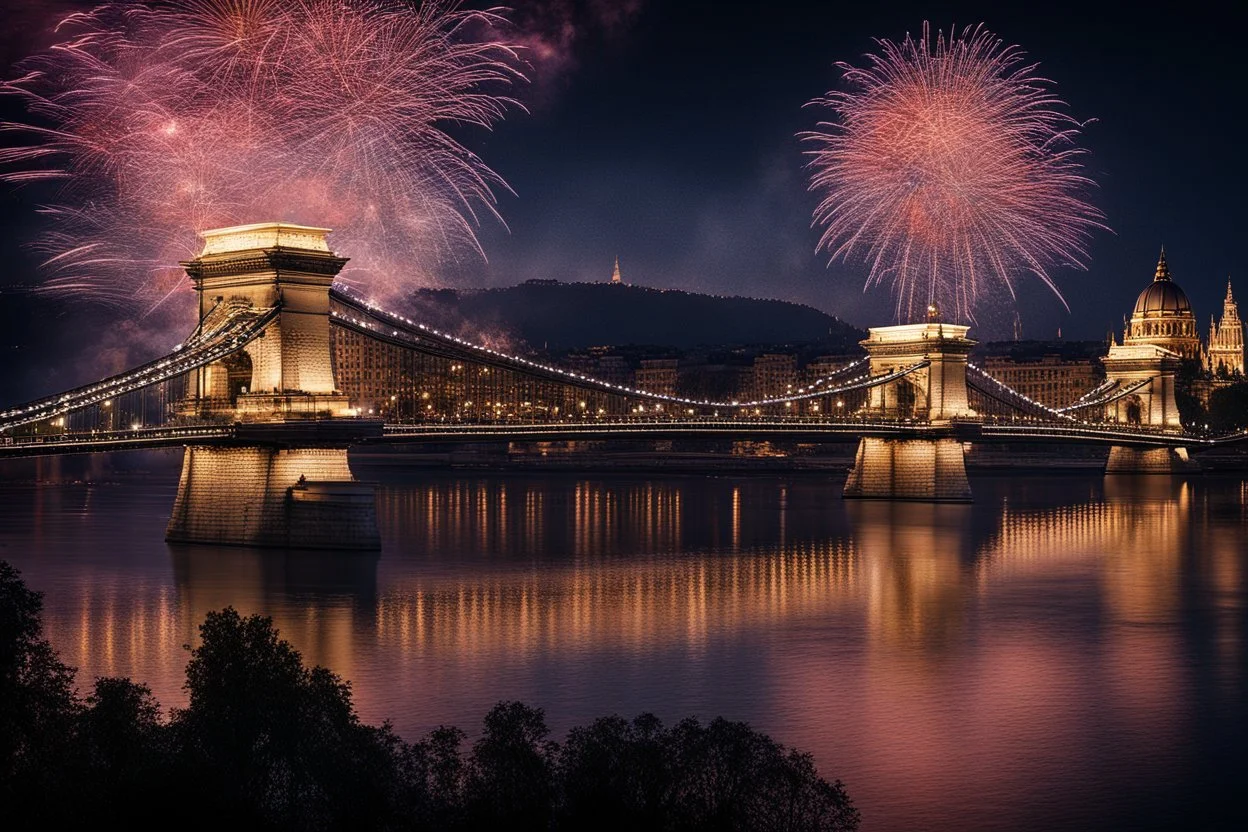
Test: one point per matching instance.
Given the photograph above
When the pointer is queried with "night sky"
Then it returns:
(664, 133)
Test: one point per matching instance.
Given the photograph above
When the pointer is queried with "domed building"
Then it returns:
(1163, 317)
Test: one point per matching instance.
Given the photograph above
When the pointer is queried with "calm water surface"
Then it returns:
(1064, 653)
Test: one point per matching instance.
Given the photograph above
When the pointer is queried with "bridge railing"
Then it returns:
(177, 434)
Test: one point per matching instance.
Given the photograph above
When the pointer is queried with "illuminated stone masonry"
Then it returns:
(931, 470)
(1124, 460)
(1225, 357)
(934, 393)
(257, 496)
(928, 470)
(270, 265)
(1163, 316)
(1152, 404)
(292, 491)
(1160, 336)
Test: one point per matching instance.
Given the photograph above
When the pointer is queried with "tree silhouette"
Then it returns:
(617, 774)
(266, 742)
(1228, 408)
(510, 778)
(38, 708)
(275, 742)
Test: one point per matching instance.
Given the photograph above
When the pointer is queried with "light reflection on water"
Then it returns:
(1064, 651)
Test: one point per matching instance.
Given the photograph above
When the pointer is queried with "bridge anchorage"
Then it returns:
(284, 479)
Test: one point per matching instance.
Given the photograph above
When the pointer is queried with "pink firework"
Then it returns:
(950, 167)
(163, 118)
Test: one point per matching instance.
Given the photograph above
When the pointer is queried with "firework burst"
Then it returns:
(951, 167)
(160, 119)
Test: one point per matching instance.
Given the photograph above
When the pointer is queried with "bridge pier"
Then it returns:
(930, 469)
(1128, 460)
(299, 498)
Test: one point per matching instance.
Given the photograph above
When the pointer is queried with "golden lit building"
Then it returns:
(1051, 380)
(775, 375)
(825, 366)
(657, 375)
(1225, 356)
(1163, 317)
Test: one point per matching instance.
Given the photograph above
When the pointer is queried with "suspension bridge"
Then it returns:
(285, 371)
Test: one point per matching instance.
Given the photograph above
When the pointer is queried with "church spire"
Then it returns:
(1163, 270)
(615, 275)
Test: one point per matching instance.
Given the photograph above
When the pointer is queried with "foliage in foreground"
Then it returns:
(266, 742)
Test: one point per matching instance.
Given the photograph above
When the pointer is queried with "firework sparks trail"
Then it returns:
(951, 168)
(161, 119)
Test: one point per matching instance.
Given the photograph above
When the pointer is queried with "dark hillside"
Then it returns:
(564, 316)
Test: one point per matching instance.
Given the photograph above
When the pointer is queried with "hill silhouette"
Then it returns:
(563, 316)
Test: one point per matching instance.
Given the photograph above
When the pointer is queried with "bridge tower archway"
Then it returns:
(1134, 409)
(239, 368)
(291, 486)
(932, 396)
(1151, 373)
(288, 268)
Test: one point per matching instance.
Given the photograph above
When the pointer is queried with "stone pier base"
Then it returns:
(928, 470)
(1123, 460)
(257, 496)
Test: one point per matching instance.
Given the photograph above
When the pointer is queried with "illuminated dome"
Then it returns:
(1163, 316)
(1163, 297)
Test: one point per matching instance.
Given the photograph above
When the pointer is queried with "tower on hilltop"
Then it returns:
(615, 275)
(1225, 355)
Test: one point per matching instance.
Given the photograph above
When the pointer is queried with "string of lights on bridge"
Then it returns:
(211, 343)
(237, 324)
(1112, 397)
(813, 391)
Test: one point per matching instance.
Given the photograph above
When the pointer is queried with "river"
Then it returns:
(1066, 652)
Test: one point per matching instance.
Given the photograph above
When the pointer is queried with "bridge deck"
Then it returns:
(343, 432)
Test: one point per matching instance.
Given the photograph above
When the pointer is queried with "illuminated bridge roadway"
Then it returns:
(284, 372)
(359, 431)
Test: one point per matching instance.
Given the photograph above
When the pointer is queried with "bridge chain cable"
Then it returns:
(227, 329)
(401, 330)
(987, 385)
(1113, 396)
(385, 325)
(230, 325)
(1099, 390)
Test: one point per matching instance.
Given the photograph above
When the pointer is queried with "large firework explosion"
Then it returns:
(160, 119)
(951, 168)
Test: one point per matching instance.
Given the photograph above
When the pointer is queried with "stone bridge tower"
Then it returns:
(933, 398)
(1153, 372)
(287, 372)
(285, 481)
(1155, 369)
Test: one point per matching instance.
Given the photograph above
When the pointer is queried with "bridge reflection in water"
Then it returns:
(1057, 647)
